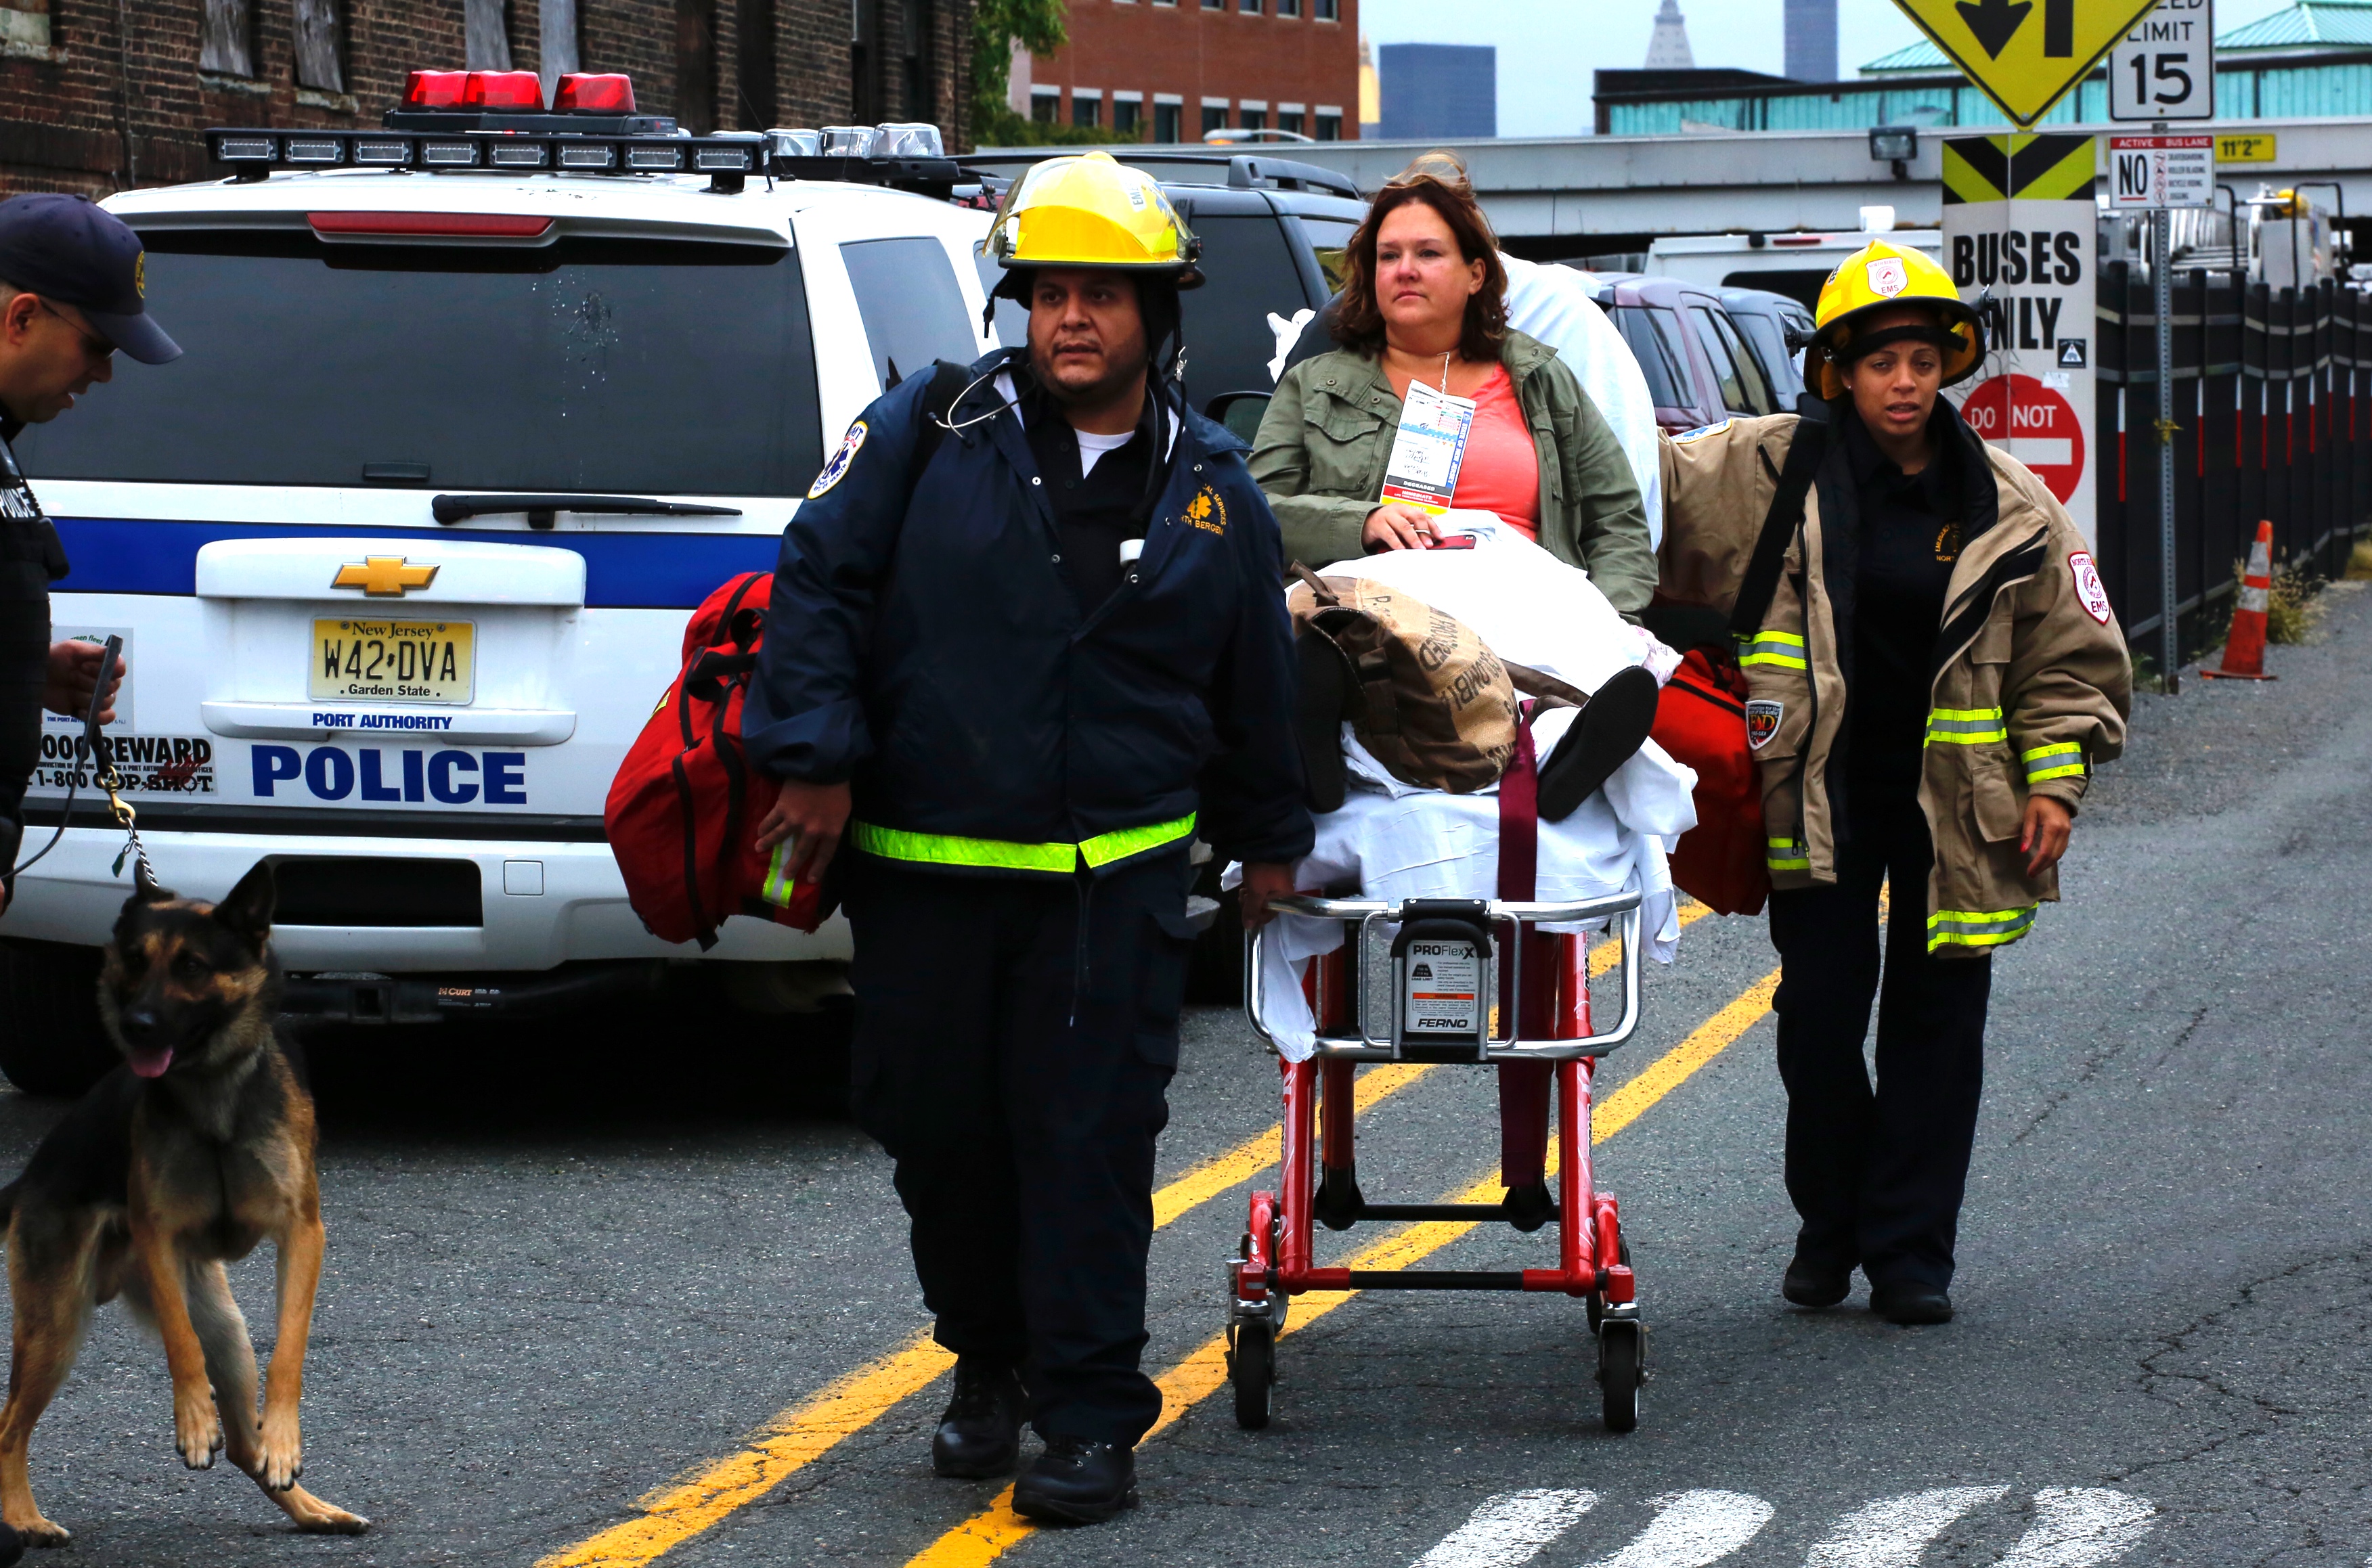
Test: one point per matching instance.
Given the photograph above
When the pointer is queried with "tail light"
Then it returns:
(435, 226)
(434, 89)
(586, 92)
(503, 89)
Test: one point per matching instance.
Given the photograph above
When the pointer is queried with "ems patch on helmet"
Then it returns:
(1762, 717)
(1207, 512)
(2090, 590)
(837, 470)
(1889, 276)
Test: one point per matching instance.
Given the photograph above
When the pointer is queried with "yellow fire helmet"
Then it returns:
(1879, 277)
(1089, 210)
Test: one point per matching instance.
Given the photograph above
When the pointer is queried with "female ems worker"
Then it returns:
(1935, 675)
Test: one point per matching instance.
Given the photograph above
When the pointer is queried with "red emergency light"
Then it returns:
(434, 89)
(587, 92)
(437, 226)
(503, 89)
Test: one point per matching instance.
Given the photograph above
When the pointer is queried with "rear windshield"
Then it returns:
(1654, 334)
(635, 366)
(1251, 276)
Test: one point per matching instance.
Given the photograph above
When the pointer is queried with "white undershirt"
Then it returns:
(1092, 446)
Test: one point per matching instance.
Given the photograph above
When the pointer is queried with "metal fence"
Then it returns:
(2274, 420)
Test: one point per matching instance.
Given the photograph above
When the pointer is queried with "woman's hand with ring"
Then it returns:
(1396, 525)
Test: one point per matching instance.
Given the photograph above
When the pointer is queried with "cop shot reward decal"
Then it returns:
(149, 764)
(370, 775)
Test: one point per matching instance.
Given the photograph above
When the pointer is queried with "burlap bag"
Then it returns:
(1429, 700)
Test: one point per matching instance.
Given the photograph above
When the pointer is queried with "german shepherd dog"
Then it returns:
(199, 1147)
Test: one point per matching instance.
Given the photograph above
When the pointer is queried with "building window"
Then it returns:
(1290, 120)
(753, 23)
(226, 46)
(317, 46)
(1214, 118)
(1288, 7)
(1166, 117)
(1214, 4)
(1046, 105)
(1128, 120)
(1086, 109)
(485, 35)
(1253, 118)
(1324, 10)
(1248, 7)
(1329, 126)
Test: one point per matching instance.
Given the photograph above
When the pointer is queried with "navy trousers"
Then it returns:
(1015, 1038)
(1878, 1174)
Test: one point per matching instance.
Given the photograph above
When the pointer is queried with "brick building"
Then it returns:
(1173, 70)
(98, 95)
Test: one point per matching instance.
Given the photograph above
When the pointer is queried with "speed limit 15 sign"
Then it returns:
(2165, 68)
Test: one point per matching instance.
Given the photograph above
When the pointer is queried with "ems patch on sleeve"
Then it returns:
(1762, 717)
(2090, 590)
(1702, 431)
(837, 470)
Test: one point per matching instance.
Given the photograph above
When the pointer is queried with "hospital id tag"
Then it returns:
(1422, 469)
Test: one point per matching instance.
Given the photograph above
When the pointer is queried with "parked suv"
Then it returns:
(512, 391)
(1697, 367)
(1777, 327)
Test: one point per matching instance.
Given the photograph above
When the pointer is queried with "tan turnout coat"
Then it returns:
(2032, 691)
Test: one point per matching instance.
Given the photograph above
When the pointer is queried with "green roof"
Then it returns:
(2328, 24)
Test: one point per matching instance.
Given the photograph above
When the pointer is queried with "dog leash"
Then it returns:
(109, 779)
(143, 874)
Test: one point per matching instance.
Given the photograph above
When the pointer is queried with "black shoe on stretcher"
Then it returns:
(1604, 736)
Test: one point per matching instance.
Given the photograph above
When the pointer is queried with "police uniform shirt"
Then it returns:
(30, 559)
(1096, 504)
(1910, 538)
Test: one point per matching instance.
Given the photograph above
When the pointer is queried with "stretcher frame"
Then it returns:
(1274, 1263)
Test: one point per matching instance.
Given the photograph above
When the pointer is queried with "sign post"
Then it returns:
(2164, 69)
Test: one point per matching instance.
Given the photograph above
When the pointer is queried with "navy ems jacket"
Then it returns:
(927, 649)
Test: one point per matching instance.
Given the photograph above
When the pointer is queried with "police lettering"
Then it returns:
(369, 773)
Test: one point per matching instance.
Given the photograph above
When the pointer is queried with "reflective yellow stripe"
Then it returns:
(1106, 848)
(1978, 928)
(778, 888)
(1965, 726)
(1782, 649)
(2063, 760)
(998, 854)
(1786, 854)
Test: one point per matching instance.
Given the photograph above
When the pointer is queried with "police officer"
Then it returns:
(1934, 674)
(71, 279)
(1016, 667)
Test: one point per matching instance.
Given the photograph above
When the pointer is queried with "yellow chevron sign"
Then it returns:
(2025, 54)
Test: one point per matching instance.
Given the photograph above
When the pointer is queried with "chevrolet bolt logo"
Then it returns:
(383, 575)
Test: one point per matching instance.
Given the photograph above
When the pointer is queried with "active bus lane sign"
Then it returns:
(2161, 171)
(2165, 67)
(2026, 54)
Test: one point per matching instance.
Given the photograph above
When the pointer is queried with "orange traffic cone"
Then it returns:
(2244, 645)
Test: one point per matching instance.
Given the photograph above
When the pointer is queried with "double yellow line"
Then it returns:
(800, 1435)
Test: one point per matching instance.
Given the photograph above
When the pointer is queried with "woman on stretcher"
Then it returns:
(1424, 306)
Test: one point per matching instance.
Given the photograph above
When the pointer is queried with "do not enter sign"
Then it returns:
(2033, 423)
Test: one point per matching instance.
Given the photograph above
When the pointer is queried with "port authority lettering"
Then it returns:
(369, 773)
(382, 721)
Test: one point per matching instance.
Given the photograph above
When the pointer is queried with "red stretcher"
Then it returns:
(1432, 987)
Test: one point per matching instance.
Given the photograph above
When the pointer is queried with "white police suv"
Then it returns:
(474, 410)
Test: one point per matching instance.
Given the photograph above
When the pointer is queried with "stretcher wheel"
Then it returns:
(1622, 1356)
(1252, 1367)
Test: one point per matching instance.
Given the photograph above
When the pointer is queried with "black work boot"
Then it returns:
(980, 1433)
(1910, 1304)
(1809, 1283)
(1077, 1482)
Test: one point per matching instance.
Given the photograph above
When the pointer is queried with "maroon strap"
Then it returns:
(1519, 819)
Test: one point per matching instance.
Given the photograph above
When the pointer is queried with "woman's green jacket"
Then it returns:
(1320, 453)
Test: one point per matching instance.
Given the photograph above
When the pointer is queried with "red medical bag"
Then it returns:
(1702, 722)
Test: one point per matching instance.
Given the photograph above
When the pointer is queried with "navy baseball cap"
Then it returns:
(66, 248)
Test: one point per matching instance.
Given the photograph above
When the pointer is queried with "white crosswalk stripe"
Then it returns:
(2077, 1526)
(1694, 1529)
(1509, 1530)
(1893, 1531)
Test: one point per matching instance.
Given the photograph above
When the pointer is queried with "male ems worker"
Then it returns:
(1018, 670)
(70, 287)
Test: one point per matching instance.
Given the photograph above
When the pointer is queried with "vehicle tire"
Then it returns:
(1252, 1367)
(1622, 1353)
(50, 1039)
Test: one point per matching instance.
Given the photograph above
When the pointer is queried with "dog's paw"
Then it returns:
(39, 1531)
(197, 1430)
(281, 1459)
(322, 1518)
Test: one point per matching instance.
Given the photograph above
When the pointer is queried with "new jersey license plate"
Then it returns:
(360, 661)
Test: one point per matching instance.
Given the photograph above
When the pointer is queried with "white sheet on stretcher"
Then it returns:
(1391, 841)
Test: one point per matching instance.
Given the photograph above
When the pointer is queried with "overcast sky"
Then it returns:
(1548, 48)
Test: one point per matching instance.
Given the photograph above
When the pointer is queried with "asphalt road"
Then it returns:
(572, 1265)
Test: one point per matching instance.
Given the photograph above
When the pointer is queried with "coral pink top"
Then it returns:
(1501, 471)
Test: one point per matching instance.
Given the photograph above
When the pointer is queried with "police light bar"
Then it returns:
(589, 92)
